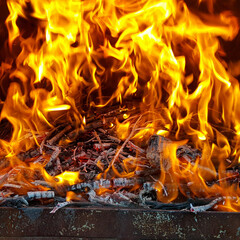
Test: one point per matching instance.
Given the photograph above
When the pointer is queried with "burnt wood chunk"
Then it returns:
(188, 153)
(156, 147)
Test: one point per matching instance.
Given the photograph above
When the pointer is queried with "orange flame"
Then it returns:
(95, 53)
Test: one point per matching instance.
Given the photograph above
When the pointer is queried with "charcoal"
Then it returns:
(59, 135)
(16, 202)
(40, 194)
(188, 153)
(105, 183)
(156, 147)
(206, 207)
(126, 182)
(90, 185)
(28, 154)
(180, 206)
(60, 205)
(111, 199)
(94, 156)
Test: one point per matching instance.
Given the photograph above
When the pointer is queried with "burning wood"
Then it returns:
(157, 145)
(90, 157)
(41, 194)
(103, 183)
(59, 135)
(127, 104)
(54, 155)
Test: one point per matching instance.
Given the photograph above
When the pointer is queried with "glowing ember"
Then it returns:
(156, 57)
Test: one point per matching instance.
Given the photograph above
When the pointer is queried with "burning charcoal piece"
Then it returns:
(59, 135)
(168, 206)
(16, 202)
(147, 192)
(126, 182)
(82, 186)
(188, 153)
(100, 147)
(135, 147)
(104, 183)
(158, 143)
(111, 199)
(155, 149)
(147, 172)
(40, 194)
(148, 186)
(93, 185)
(205, 207)
(54, 155)
(190, 204)
(29, 154)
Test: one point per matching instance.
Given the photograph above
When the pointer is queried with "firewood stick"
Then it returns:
(54, 156)
(105, 183)
(28, 154)
(60, 205)
(41, 182)
(47, 137)
(156, 148)
(40, 194)
(125, 142)
(10, 185)
(132, 145)
(99, 139)
(114, 139)
(205, 207)
(4, 178)
(59, 135)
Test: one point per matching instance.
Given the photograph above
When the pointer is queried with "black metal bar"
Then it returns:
(112, 223)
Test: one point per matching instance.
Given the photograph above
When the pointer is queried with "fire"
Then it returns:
(165, 59)
(70, 177)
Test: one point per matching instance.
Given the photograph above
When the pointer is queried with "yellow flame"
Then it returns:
(68, 177)
(58, 108)
(155, 54)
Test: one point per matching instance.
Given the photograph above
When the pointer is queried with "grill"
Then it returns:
(113, 223)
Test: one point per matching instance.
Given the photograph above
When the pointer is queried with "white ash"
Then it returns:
(205, 207)
(60, 205)
(41, 194)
